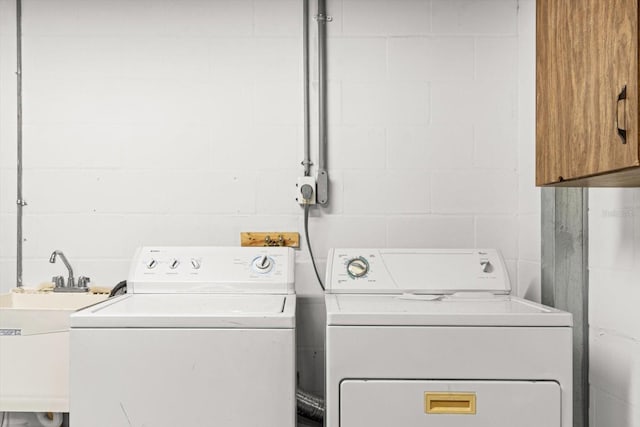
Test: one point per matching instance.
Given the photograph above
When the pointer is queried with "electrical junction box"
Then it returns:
(306, 190)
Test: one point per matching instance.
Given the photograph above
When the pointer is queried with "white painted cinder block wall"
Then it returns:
(614, 304)
(180, 123)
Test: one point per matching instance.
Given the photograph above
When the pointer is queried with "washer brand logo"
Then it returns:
(10, 332)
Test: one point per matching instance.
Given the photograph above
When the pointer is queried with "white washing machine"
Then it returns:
(422, 337)
(205, 337)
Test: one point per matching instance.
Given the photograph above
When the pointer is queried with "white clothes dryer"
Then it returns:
(423, 337)
(205, 336)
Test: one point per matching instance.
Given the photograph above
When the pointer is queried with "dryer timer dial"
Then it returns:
(357, 267)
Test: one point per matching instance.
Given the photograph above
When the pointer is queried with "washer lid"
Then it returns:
(445, 310)
(189, 311)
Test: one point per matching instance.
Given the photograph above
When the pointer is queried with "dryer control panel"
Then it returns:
(212, 270)
(418, 271)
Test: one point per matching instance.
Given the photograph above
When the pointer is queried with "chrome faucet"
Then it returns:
(70, 280)
(58, 281)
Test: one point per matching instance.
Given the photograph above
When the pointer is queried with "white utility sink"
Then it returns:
(34, 349)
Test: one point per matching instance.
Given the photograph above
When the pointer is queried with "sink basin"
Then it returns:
(34, 349)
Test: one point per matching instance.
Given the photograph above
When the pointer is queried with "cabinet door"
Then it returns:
(587, 53)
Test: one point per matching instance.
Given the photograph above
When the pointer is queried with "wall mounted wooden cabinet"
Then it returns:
(587, 93)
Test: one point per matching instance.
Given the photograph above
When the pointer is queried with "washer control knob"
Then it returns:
(263, 264)
(174, 264)
(487, 267)
(195, 264)
(151, 264)
(357, 267)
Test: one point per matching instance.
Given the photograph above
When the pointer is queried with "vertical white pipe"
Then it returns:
(20, 200)
(323, 176)
(305, 55)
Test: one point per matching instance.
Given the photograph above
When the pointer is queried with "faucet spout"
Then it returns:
(52, 259)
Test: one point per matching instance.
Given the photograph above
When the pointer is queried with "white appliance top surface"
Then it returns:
(189, 311)
(465, 309)
(419, 271)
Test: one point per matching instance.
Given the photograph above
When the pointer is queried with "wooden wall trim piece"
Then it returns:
(565, 278)
(270, 238)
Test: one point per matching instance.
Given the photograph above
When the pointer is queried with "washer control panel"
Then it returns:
(420, 271)
(212, 270)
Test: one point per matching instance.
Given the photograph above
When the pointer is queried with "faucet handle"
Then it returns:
(58, 281)
(83, 281)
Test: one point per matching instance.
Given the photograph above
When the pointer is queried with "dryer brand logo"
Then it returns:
(10, 332)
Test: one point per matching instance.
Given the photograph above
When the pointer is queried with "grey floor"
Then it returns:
(307, 423)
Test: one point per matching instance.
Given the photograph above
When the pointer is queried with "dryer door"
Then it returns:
(413, 403)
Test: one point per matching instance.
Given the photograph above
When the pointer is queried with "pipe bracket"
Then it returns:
(321, 17)
(21, 202)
